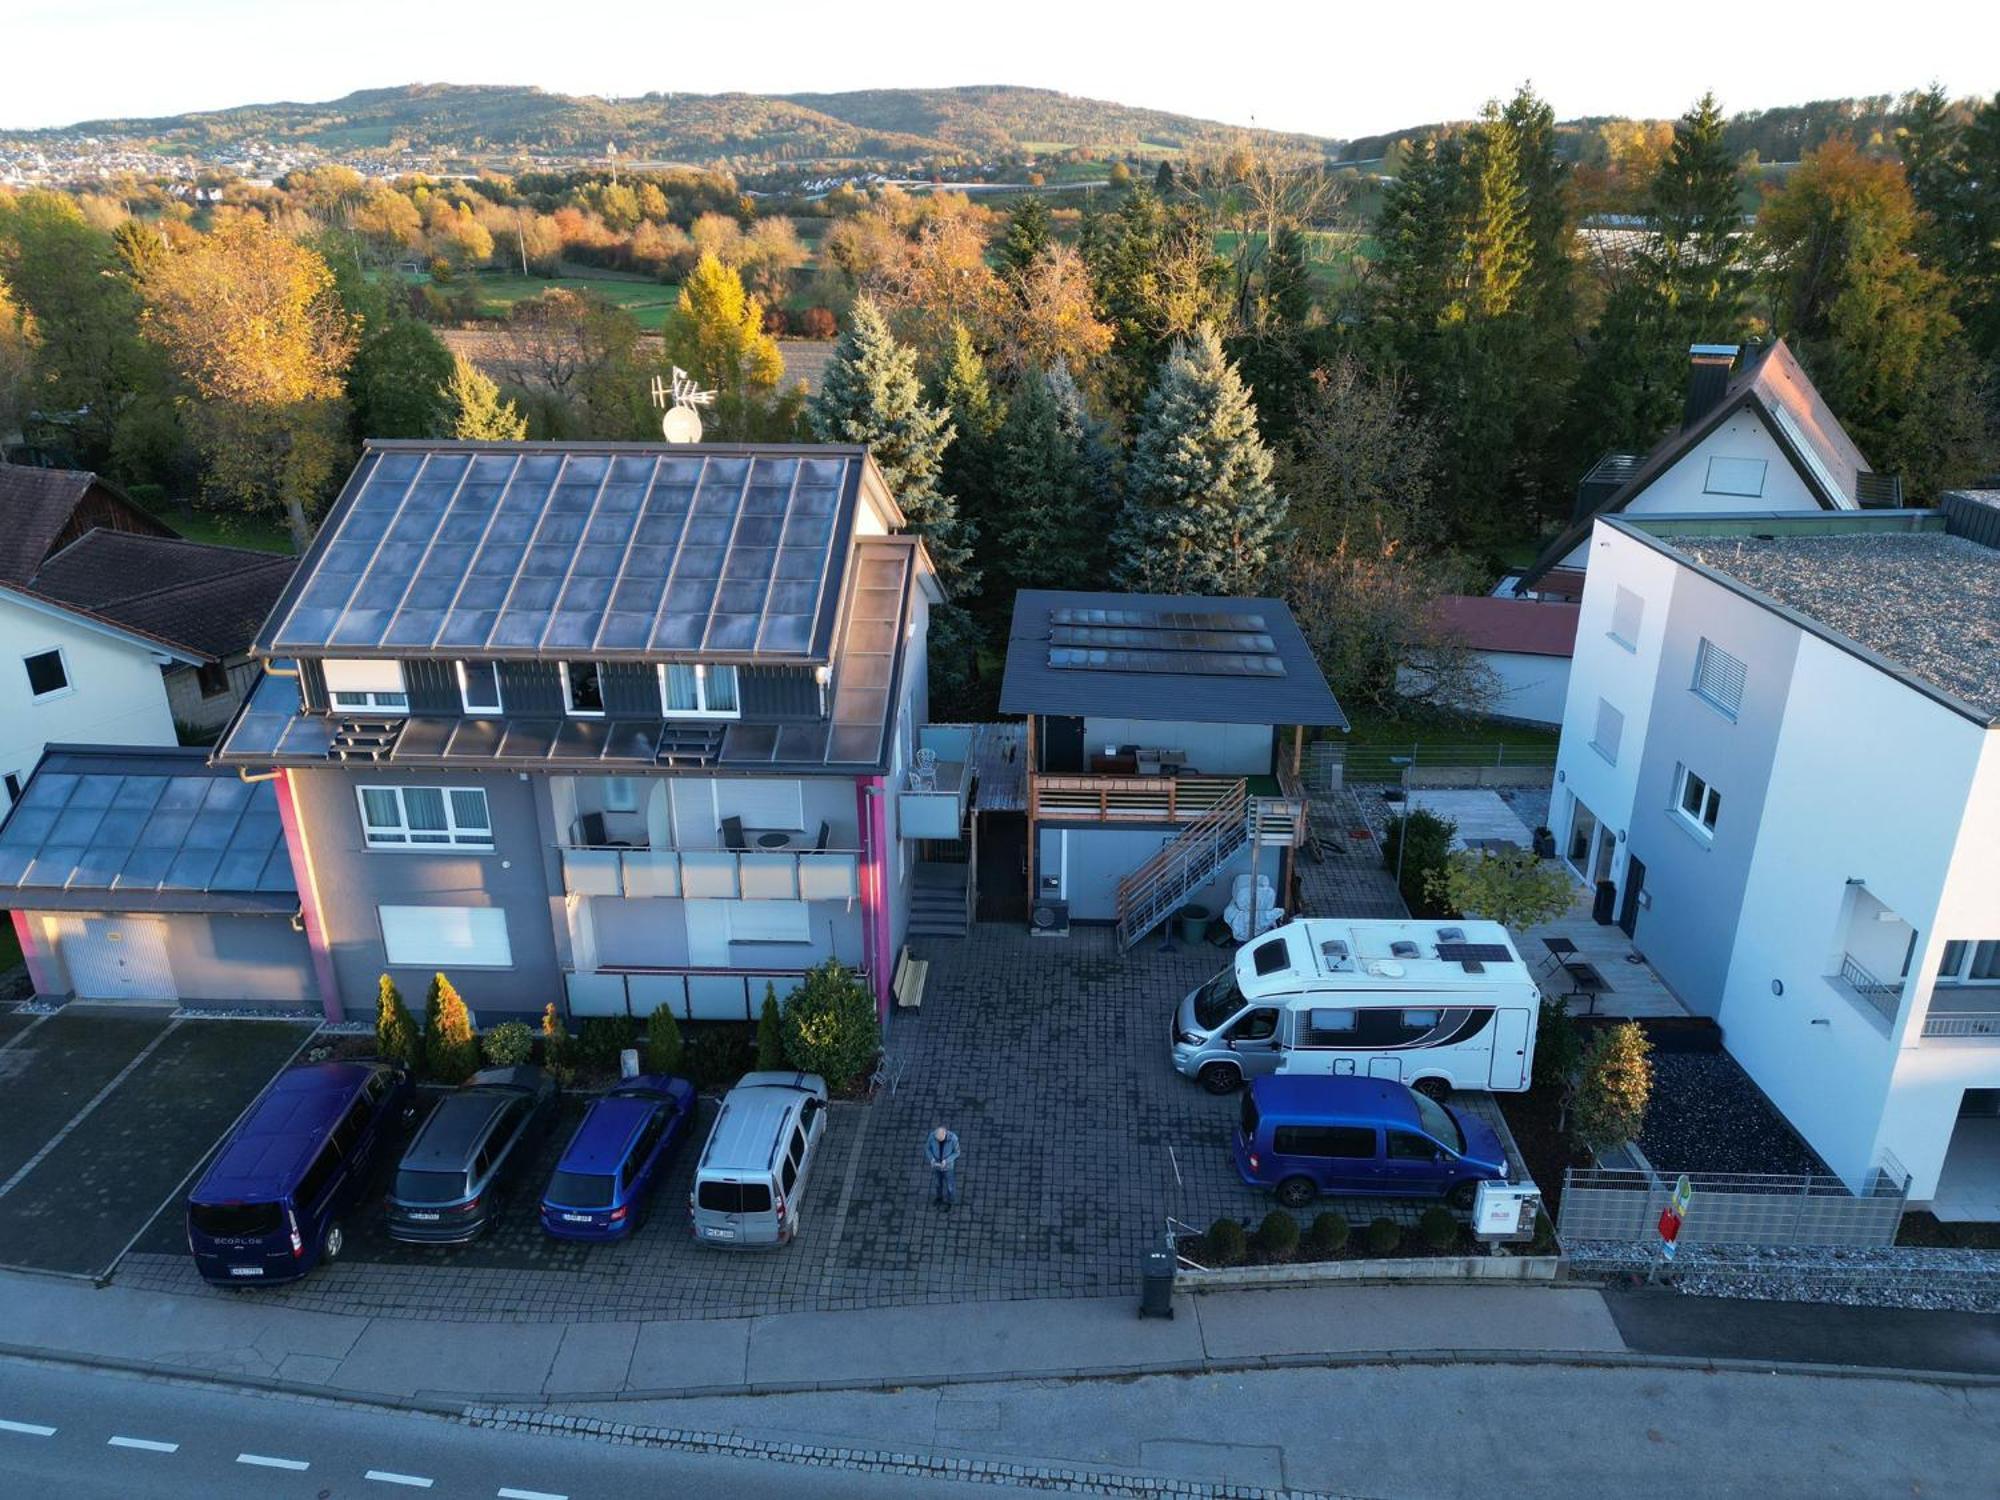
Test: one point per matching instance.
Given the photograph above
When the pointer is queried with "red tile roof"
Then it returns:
(1527, 627)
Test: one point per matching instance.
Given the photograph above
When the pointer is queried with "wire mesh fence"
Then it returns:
(1737, 1208)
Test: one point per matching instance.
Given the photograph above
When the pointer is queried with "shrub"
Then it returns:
(663, 1042)
(770, 1034)
(1385, 1237)
(1438, 1228)
(450, 1049)
(601, 1038)
(1545, 1234)
(555, 1038)
(1278, 1235)
(1429, 848)
(716, 1055)
(1224, 1244)
(395, 1028)
(1612, 1091)
(775, 322)
(817, 323)
(1327, 1235)
(508, 1045)
(830, 1025)
(1509, 886)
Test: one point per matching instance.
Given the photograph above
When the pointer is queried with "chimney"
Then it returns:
(1708, 376)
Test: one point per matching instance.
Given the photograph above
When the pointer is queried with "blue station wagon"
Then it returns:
(273, 1204)
(616, 1158)
(1304, 1135)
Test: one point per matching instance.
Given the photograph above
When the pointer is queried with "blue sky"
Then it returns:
(1322, 68)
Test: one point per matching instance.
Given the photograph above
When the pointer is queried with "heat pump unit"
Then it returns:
(1049, 919)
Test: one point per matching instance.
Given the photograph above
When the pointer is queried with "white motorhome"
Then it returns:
(1437, 1005)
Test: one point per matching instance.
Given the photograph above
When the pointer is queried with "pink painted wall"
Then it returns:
(302, 876)
(32, 955)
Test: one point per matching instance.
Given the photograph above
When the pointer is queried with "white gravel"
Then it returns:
(1894, 1276)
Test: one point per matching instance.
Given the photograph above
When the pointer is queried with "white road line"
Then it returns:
(145, 1445)
(260, 1461)
(28, 1429)
(507, 1494)
(383, 1476)
(83, 1114)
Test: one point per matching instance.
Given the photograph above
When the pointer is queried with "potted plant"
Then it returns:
(1545, 843)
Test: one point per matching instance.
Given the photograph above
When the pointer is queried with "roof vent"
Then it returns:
(1451, 934)
(1334, 953)
(1403, 948)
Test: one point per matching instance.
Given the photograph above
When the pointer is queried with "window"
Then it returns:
(1697, 802)
(1421, 1020)
(48, 674)
(1735, 476)
(1628, 613)
(436, 937)
(1352, 1142)
(733, 1197)
(620, 793)
(422, 817)
(479, 687)
(318, 1177)
(1405, 1145)
(1610, 729)
(768, 921)
(1970, 961)
(212, 677)
(583, 689)
(761, 802)
(1331, 1028)
(692, 691)
(376, 685)
(1256, 1026)
(1718, 678)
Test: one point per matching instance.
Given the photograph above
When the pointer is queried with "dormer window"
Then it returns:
(366, 686)
(692, 691)
(479, 687)
(583, 690)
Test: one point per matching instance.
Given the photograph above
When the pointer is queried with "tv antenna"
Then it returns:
(682, 423)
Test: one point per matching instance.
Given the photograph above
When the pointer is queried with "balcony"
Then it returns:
(694, 994)
(1964, 1012)
(931, 803)
(1878, 999)
(712, 874)
(1281, 818)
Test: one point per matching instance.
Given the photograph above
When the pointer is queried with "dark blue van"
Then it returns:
(273, 1203)
(617, 1157)
(1307, 1134)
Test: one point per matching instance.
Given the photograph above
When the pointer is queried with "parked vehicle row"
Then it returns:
(284, 1186)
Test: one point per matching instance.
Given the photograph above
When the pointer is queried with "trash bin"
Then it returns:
(1193, 923)
(1156, 1284)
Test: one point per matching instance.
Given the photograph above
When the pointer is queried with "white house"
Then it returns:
(1781, 749)
(1524, 643)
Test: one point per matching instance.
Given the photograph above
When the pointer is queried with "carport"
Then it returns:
(147, 875)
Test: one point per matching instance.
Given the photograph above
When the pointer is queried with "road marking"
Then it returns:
(83, 1114)
(260, 1461)
(146, 1445)
(383, 1476)
(28, 1429)
(507, 1494)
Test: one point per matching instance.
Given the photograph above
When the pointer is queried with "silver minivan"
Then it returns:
(758, 1159)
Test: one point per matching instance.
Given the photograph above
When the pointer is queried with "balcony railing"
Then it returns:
(1128, 799)
(1965, 1012)
(713, 874)
(932, 805)
(694, 994)
(1879, 995)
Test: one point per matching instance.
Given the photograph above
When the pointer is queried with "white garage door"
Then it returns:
(117, 958)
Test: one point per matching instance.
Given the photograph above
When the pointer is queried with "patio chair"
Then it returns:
(589, 832)
(825, 832)
(732, 834)
(1561, 951)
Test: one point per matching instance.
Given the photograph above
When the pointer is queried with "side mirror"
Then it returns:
(1230, 1043)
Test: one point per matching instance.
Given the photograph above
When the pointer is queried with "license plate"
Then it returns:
(578, 1219)
(246, 1270)
(426, 1217)
(717, 1234)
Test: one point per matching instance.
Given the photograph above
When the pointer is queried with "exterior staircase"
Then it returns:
(1161, 886)
(938, 899)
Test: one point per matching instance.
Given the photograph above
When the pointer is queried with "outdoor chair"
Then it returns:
(732, 834)
(825, 832)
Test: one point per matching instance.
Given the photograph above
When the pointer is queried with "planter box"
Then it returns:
(1404, 1268)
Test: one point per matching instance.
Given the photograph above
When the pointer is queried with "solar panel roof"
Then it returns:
(617, 551)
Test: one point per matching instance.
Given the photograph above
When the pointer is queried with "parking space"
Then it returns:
(108, 1112)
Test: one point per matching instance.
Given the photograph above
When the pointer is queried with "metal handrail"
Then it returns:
(1963, 1023)
(1885, 998)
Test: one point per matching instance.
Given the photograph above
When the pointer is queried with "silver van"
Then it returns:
(758, 1159)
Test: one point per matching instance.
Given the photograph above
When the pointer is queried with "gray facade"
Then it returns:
(255, 961)
(1092, 859)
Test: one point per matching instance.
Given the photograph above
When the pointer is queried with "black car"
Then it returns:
(457, 1169)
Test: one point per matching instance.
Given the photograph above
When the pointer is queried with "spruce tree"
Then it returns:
(770, 1033)
(870, 395)
(1697, 259)
(1201, 514)
(976, 412)
(1028, 231)
(1050, 528)
(474, 410)
(1497, 248)
(395, 1028)
(1163, 180)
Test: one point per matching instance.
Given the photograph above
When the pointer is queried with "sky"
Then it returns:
(1280, 65)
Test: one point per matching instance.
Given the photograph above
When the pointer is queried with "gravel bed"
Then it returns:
(1707, 1116)
(1955, 1280)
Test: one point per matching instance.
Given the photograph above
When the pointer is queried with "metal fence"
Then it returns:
(1442, 764)
(1734, 1208)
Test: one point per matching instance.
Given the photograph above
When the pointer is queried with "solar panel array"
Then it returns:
(574, 551)
(111, 831)
(1218, 643)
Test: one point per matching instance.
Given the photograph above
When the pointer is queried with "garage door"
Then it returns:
(117, 958)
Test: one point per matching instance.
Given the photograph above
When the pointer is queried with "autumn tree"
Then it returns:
(719, 337)
(474, 410)
(1157, 278)
(1613, 1089)
(1053, 317)
(252, 326)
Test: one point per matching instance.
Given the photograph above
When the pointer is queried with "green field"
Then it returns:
(648, 301)
(258, 533)
(1392, 735)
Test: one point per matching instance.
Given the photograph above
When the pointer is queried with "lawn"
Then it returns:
(648, 301)
(258, 533)
(1375, 732)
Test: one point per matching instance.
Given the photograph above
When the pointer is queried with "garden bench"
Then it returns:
(908, 983)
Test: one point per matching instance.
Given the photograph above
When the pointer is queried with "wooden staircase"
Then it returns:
(1160, 886)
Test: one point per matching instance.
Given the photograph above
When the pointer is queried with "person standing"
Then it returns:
(941, 1151)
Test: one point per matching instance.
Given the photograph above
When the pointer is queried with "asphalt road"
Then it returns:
(89, 1435)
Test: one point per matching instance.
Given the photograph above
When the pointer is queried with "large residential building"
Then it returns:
(1780, 762)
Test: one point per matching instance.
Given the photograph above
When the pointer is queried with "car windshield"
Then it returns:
(234, 1220)
(1438, 1123)
(582, 1189)
(1218, 1000)
(429, 1187)
(734, 1197)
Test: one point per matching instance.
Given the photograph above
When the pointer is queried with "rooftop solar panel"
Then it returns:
(1195, 663)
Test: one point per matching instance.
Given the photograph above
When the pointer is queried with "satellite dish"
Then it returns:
(681, 424)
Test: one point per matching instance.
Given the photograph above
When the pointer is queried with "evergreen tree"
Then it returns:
(976, 412)
(1028, 231)
(1929, 131)
(474, 410)
(395, 1029)
(1417, 234)
(663, 1041)
(1157, 277)
(1050, 532)
(450, 1048)
(718, 335)
(1972, 217)
(1087, 435)
(870, 394)
(770, 1033)
(1201, 514)
(1163, 180)
(397, 383)
(1497, 247)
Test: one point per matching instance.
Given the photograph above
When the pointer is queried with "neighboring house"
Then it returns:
(72, 539)
(147, 874)
(1156, 749)
(610, 726)
(1754, 438)
(1780, 762)
(1524, 643)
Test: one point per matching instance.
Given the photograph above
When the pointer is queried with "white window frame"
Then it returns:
(499, 703)
(402, 838)
(372, 685)
(1598, 737)
(1730, 476)
(1956, 973)
(1701, 823)
(799, 930)
(445, 937)
(570, 710)
(1713, 667)
(62, 660)
(701, 671)
(791, 819)
(1623, 603)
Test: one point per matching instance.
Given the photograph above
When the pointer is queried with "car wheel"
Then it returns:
(333, 1241)
(1433, 1088)
(1297, 1192)
(1461, 1195)
(1221, 1078)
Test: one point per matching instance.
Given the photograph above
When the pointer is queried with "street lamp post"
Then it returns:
(1403, 763)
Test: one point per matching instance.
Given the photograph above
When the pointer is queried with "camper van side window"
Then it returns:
(1330, 1028)
(1420, 1020)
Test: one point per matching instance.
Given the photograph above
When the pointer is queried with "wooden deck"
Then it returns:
(1635, 990)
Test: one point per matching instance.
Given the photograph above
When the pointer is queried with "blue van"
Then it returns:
(1307, 1134)
(273, 1203)
(617, 1156)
